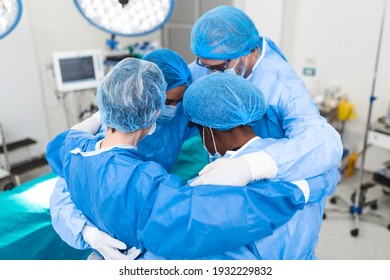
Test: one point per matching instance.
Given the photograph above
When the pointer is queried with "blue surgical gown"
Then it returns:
(296, 239)
(163, 146)
(309, 146)
(134, 201)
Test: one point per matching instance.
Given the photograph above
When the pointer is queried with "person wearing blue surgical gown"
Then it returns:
(163, 146)
(225, 39)
(69, 221)
(224, 117)
(124, 195)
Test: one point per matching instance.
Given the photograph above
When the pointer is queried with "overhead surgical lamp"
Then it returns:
(126, 17)
(10, 13)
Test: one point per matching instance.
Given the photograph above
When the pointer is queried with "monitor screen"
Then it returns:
(78, 70)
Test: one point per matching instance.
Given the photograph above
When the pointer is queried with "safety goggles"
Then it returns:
(219, 68)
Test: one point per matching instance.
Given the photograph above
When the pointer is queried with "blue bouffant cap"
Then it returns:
(223, 101)
(131, 95)
(172, 65)
(224, 33)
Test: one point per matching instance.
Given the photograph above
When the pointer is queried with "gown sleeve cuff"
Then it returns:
(304, 186)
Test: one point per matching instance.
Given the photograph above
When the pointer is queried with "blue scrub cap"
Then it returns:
(172, 65)
(131, 95)
(223, 101)
(224, 33)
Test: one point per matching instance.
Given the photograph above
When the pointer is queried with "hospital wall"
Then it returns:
(29, 105)
(21, 109)
(337, 37)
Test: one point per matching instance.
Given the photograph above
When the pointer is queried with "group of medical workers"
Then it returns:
(273, 158)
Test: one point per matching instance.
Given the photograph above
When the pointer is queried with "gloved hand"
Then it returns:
(237, 171)
(224, 171)
(130, 254)
(108, 246)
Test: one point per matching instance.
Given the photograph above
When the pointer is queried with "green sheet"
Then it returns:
(192, 158)
(26, 232)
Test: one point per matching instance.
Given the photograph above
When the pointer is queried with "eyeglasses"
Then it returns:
(219, 68)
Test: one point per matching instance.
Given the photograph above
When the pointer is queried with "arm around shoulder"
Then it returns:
(67, 220)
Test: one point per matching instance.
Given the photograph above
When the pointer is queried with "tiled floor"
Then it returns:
(373, 240)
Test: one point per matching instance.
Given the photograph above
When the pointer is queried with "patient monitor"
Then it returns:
(78, 70)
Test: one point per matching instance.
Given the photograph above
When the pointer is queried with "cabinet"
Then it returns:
(379, 135)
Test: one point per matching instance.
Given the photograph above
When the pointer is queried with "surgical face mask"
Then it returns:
(214, 157)
(241, 71)
(168, 113)
(232, 70)
(217, 155)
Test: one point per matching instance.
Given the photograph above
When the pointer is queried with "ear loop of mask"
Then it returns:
(203, 138)
(246, 64)
(212, 137)
(232, 70)
(152, 129)
(259, 58)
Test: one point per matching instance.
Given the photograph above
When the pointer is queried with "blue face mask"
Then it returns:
(168, 113)
(216, 155)
(232, 70)
(241, 72)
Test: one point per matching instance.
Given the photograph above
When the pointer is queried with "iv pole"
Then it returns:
(356, 209)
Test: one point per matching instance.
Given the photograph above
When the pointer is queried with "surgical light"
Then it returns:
(10, 12)
(126, 17)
